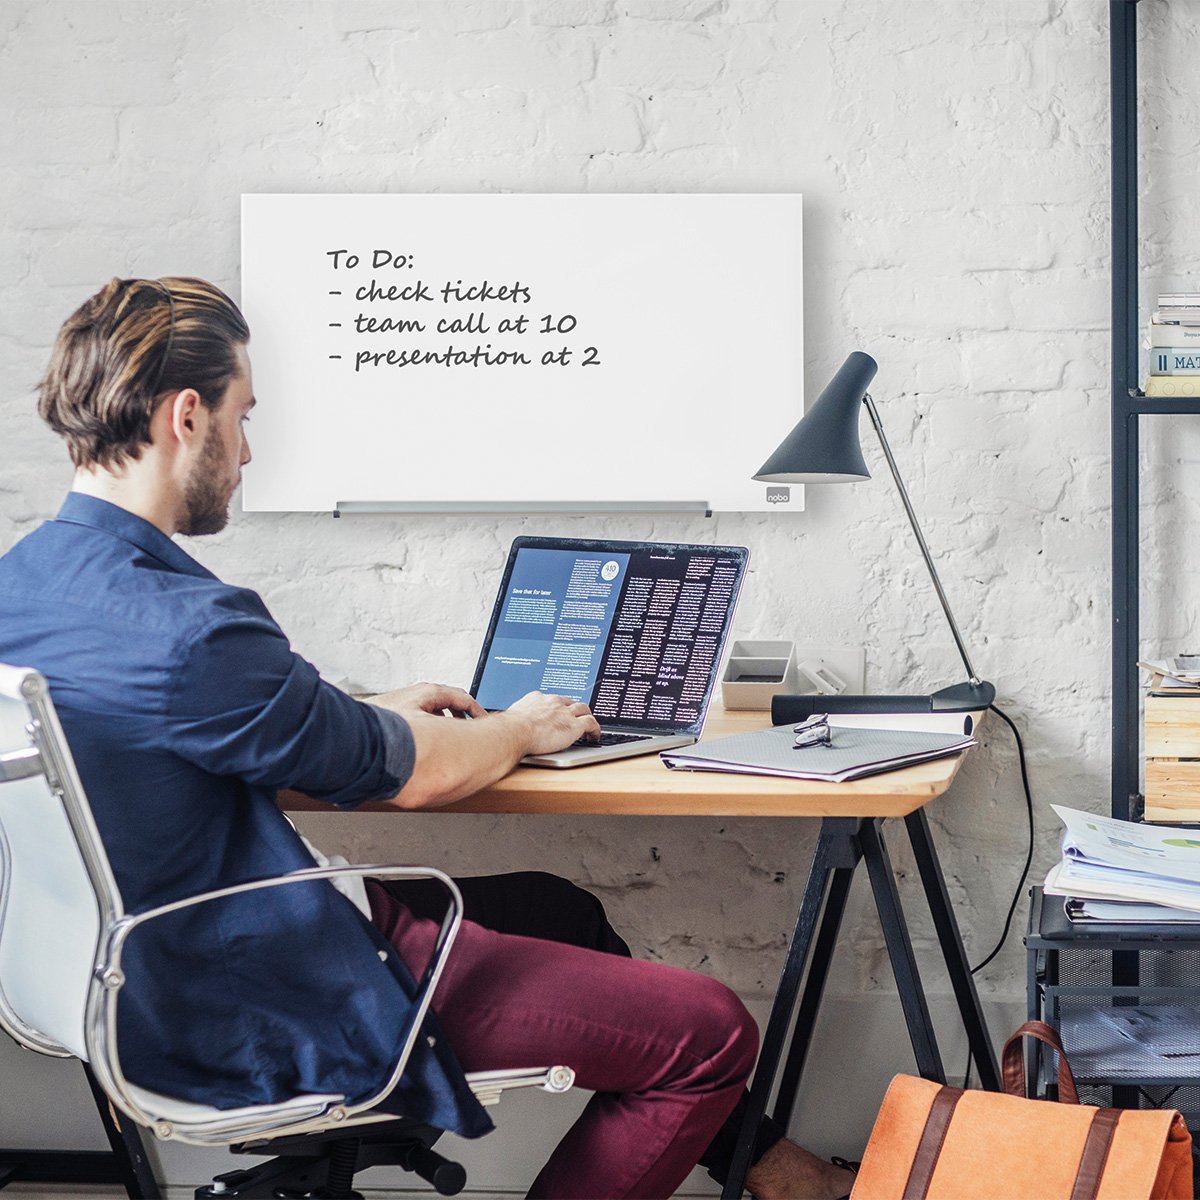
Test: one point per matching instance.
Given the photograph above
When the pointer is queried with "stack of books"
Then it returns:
(1175, 346)
(1114, 870)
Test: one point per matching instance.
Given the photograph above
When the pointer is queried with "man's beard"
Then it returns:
(205, 498)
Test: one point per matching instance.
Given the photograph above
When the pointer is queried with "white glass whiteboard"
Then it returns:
(515, 352)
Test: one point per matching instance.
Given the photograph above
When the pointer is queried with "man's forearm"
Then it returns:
(455, 758)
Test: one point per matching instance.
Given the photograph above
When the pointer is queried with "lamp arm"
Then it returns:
(912, 518)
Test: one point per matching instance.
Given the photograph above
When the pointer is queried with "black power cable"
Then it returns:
(1016, 898)
(1012, 908)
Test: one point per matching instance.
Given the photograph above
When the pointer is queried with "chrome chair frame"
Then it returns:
(48, 756)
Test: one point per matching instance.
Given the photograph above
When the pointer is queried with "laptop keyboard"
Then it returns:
(613, 739)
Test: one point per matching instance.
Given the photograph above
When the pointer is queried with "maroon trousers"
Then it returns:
(666, 1051)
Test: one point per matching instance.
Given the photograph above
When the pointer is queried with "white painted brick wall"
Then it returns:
(954, 161)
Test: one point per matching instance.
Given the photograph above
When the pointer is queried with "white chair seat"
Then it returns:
(204, 1120)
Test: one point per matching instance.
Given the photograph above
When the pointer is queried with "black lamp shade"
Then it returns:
(824, 446)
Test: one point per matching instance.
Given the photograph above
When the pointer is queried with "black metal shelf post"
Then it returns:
(1126, 796)
(1126, 568)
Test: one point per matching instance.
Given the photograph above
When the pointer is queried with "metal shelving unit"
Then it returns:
(1080, 972)
(1129, 406)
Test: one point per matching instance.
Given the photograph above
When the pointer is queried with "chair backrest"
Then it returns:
(57, 890)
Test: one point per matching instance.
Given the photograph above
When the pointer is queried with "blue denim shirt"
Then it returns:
(186, 709)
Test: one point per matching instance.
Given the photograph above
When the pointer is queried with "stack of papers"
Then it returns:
(1173, 676)
(1184, 668)
(1079, 908)
(1168, 1030)
(855, 751)
(1158, 1041)
(1153, 870)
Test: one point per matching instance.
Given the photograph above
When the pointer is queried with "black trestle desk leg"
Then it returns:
(810, 998)
(837, 846)
(957, 966)
(900, 951)
(126, 1143)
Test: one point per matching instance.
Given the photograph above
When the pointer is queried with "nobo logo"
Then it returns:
(779, 495)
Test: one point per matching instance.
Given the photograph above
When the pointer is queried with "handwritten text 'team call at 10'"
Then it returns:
(452, 292)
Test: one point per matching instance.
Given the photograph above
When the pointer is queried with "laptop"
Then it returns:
(636, 630)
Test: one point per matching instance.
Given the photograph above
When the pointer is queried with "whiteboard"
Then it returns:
(534, 352)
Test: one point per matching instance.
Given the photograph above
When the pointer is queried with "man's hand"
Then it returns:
(554, 722)
(431, 698)
(456, 758)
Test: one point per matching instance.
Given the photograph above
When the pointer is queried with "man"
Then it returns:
(186, 710)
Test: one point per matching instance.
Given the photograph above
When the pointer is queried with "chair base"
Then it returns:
(323, 1166)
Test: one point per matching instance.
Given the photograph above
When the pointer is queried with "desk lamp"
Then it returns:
(824, 448)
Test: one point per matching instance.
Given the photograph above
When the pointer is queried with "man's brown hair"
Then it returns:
(126, 348)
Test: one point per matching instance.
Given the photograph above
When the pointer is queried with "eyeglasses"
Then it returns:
(814, 731)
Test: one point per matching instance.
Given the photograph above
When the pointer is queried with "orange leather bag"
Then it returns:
(932, 1142)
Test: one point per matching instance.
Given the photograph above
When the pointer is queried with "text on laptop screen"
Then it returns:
(635, 634)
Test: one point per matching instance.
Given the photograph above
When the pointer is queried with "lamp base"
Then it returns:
(963, 697)
(960, 697)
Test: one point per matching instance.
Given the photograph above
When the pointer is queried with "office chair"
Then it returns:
(63, 928)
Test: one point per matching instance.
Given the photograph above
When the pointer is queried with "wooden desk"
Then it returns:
(644, 787)
(852, 816)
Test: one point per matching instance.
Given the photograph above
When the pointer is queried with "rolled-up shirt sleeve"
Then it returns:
(400, 753)
(244, 704)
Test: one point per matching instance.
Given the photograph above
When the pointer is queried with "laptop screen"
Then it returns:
(634, 629)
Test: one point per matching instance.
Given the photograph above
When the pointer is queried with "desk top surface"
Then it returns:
(645, 787)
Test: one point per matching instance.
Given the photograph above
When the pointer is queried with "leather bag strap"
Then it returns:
(1095, 1153)
(1012, 1059)
(930, 1146)
(1101, 1131)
